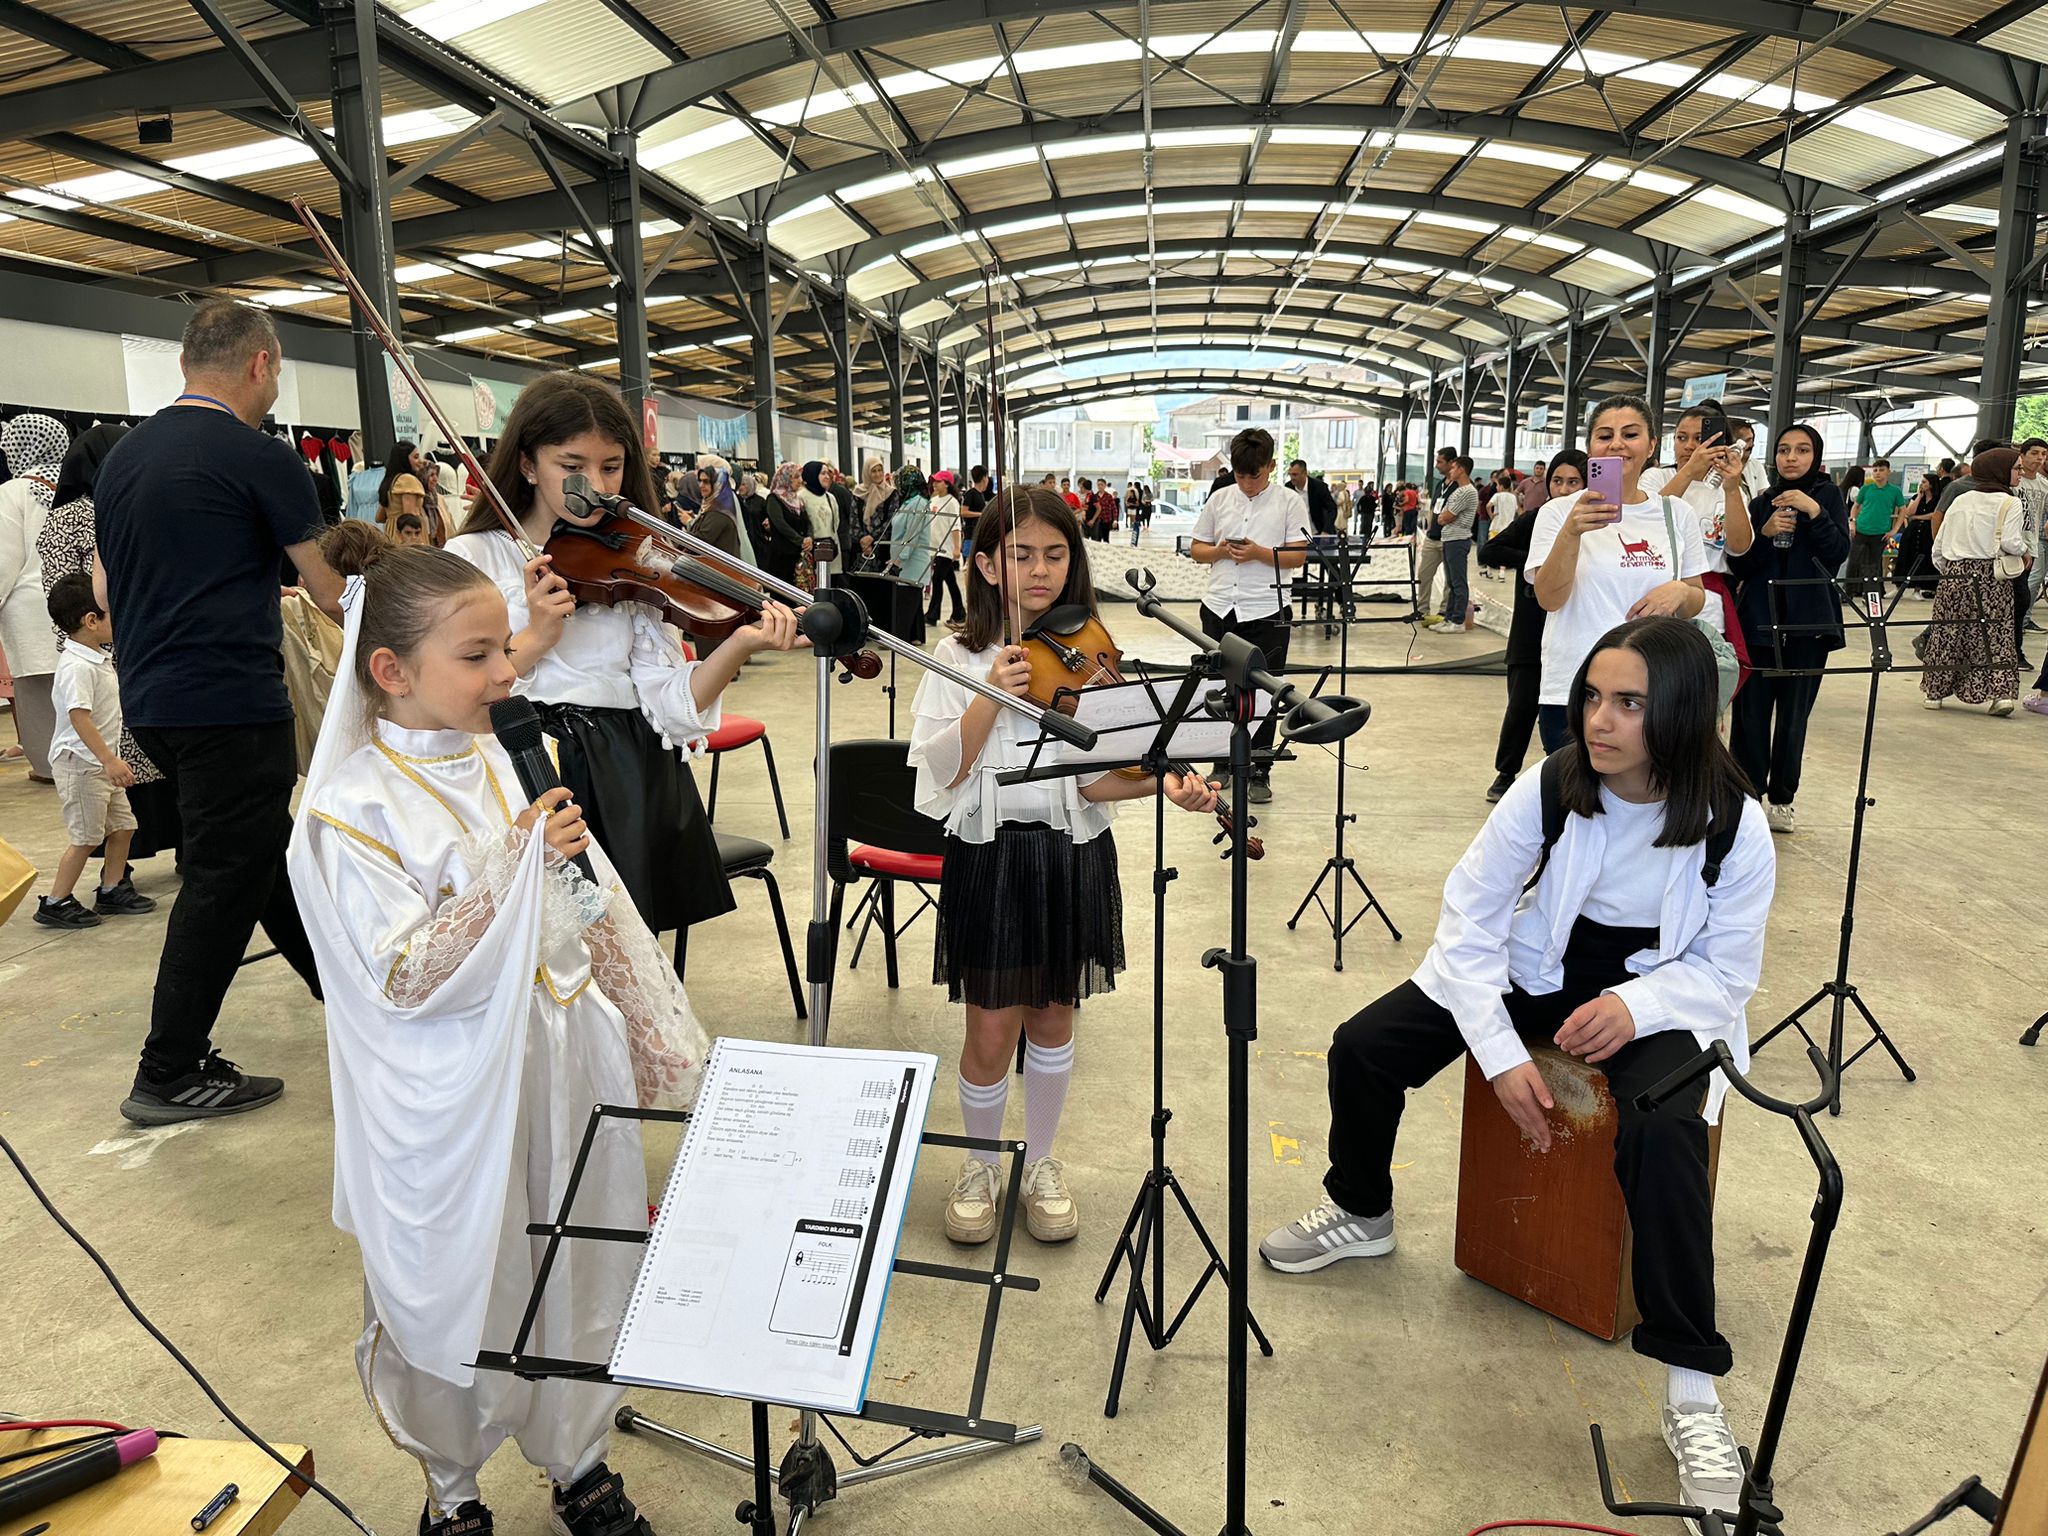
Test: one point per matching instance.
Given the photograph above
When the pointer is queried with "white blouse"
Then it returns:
(622, 657)
(1700, 977)
(1984, 525)
(977, 805)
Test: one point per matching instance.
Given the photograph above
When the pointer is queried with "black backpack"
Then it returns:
(1721, 833)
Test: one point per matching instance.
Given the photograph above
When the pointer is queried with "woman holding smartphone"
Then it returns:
(1611, 553)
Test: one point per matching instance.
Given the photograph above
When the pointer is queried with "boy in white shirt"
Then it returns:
(1247, 533)
(91, 778)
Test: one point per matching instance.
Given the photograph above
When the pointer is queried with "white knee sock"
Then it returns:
(1685, 1388)
(1047, 1071)
(981, 1111)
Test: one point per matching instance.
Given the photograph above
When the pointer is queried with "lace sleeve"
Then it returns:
(666, 1041)
(439, 945)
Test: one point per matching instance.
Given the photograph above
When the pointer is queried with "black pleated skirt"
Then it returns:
(641, 804)
(1032, 919)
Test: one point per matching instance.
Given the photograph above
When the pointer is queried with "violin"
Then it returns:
(1070, 650)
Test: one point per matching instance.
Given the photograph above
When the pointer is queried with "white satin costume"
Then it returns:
(481, 997)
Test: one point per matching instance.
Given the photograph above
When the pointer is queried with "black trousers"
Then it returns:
(1767, 726)
(2021, 598)
(1403, 1039)
(1525, 679)
(945, 578)
(1866, 555)
(1271, 635)
(234, 787)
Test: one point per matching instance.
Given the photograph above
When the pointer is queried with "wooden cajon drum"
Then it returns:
(1549, 1228)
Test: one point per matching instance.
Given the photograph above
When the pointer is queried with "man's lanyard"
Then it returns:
(221, 405)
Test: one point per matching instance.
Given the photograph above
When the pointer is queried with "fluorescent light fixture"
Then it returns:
(601, 362)
(445, 19)
(469, 335)
(678, 351)
(562, 316)
(283, 298)
(418, 272)
(733, 340)
(488, 259)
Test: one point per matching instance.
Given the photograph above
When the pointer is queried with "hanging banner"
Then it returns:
(405, 405)
(721, 434)
(1708, 386)
(493, 398)
(1539, 418)
(650, 422)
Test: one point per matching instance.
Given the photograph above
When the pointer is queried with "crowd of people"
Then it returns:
(489, 968)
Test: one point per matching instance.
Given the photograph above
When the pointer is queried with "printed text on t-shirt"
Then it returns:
(1640, 554)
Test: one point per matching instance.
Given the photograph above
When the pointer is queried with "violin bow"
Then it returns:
(1012, 632)
(395, 350)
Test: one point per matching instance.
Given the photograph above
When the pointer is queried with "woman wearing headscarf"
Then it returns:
(818, 504)
(1981, 545)
(875, 497)
(785, 526)
(717, 520)
(66, 547)
(1789, 618)
(910, 529)
(34, 445)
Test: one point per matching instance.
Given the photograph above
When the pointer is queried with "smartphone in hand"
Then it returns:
(1603, 477)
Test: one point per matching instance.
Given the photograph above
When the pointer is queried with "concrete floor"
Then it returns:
(1402, 1398)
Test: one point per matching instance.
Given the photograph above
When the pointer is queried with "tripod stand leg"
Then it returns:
(2033, 1034)
(1133, 1299)
(1791, 1021)
(1216, 1260)
(1328, 866)
(1883, 1039)
(1372, 902)
(1123, 1240)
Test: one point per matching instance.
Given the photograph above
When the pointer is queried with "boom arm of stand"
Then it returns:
(1718, 1055)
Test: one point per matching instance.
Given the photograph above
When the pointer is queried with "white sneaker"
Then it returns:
(1709, 1462)
(1778, 817)
(971, 1208)
(2001, 708)
(1930, 703)
(1049, 1211)
(1325, 1235)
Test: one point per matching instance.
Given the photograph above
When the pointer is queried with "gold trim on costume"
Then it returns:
(370, 1391)
(362, 837)
(395, 964)
(450, 757)
(541, 975)
(401, 764)
(491, 774)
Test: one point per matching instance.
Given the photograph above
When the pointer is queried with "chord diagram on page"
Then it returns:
(868, 1119)
(879, 1088)
(849, 1210)
(856, 1178)
(864, 1147)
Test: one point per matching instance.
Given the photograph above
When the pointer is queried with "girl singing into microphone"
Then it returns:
(612, 684)
(1030, 909)
(482, 994)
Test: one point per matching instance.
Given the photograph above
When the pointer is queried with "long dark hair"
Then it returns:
(400, 463)
(1699, 778)
(553, 409)
(1008, 509)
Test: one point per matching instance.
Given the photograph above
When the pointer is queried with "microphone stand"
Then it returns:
(836, 622)
(1309, 720)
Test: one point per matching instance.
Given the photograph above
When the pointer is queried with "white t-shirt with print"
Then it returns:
(1617, 565)
(1709, 505)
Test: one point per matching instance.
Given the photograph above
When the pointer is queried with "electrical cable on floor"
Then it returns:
(169, 1348)
(1548, 1525)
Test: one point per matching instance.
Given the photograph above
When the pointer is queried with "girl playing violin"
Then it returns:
(612, 684)
(1030, 910)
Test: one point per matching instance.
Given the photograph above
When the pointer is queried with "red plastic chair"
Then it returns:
(736, 731)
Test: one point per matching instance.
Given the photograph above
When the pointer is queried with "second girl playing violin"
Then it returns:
(612, 684)
(1030, 908)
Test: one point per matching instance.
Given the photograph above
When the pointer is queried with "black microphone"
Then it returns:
(583, 498)
(517, 726)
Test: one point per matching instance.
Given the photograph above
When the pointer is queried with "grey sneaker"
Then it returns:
(972, 1207)
(1325, 1235)
(1709, 1464)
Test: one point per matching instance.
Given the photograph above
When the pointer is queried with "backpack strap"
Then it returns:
(1550, 778)
(1721, 835)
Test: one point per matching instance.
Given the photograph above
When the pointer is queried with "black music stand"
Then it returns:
(1144, 1229)
(1839, 990)
(806, 1477)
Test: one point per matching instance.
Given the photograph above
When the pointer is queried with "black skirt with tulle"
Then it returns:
(641, 804)
(1031, 919)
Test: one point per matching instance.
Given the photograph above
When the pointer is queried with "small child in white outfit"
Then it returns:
(92, 781)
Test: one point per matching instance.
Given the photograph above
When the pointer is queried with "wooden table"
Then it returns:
(159, 1495)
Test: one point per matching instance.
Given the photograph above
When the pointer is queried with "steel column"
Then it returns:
(1794, 251)
(761, 321)
(1867, 412)
(839, 341)
(963, 398)
(893, 365)
(1514, 369)
(1401, 449)
(1575, 360)
(2021, 201)
(629, 287)
(935, 399)
(366, 238)
(1466, 404)
(1657, 357)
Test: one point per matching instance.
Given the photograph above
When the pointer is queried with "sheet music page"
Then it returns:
(1126, 716)
(769, 1262)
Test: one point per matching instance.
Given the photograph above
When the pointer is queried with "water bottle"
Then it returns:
(1781, 540)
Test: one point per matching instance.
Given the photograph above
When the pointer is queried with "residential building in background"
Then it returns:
(1110, 439)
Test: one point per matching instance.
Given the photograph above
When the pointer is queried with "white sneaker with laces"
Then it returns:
(1709, 1462)
(1049, 1211)
(1778, 817)
(971, 1208)
(1325, 1235)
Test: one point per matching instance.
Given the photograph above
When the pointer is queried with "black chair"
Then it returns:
(874, 832)
(747, 858)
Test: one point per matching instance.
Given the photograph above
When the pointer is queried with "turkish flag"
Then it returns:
(650, 419)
